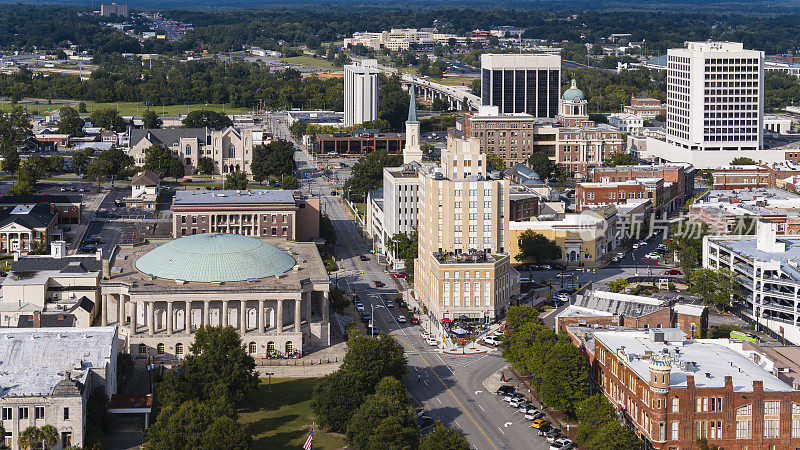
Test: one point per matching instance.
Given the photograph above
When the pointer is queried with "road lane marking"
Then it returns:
(481, 407)
(446, 388)
(440, 401)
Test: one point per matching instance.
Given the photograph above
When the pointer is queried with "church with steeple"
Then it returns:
(412, 152)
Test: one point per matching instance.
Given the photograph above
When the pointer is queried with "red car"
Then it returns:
(414, 321)
(378, 283)
(187, 180)
(673, 272)
(400, 275)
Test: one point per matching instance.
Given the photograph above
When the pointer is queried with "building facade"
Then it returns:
(715, 97)
(662, 195)
(582, 238)
(24, 226)
(681, 175)
(522, 83)
(463, 268)
(258, 213)
(275, 294)
(360, 92)
(582, 149)
(646, 108)
(740, 177)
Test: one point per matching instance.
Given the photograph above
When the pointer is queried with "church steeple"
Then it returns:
(412, 106)
(412, 151)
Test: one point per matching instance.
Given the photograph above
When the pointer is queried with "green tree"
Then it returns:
(614, 436)
(298, 128)
(519, 315)
(290, 183)
(98, 420)
(158, 159)
(236, 180)
(205, 165)
(50, 435)
(109, 119)
(574, 51)
(661, 118)
(716, 287)
(15, 127)
(151, 120)
(563, 385)
(124, 369)
(275, 158)
(31, 438)
(70, 122)
(109, 164)
(542, 165)
(686, 238)
(381, 125)
(620, 159)
(203, 118)
(10, 158)
(384, 420)
(29, 172)
(80, 159)
(367, 174)
(495, 161)
(443, 438)
(592, 414)
(176, 169)
(375, 358)
(38, 248)
(405, 246)
(617, 285)
(326, 230)
(743, 161)
(336, 397)
(440, 104)
(194, 424)
(82, 107)
(536, 247)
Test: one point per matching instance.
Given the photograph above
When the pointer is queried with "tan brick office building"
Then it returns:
(258, 213)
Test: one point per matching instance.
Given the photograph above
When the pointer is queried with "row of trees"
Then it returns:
(560, 376)
(536, 247)
(197, 403)
(367, 174)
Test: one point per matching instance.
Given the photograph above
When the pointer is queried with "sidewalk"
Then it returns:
(555, 417)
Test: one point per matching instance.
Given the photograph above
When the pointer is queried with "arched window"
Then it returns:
(251, 348)
(142, 349)
(178, 349)
(160, 348)
(270, 347)
(289, 347)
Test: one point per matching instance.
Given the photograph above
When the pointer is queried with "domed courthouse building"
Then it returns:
(275, 292)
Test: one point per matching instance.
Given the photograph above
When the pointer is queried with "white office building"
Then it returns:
(522, 83)
(360, 92)
(767, 267)
(715, 97)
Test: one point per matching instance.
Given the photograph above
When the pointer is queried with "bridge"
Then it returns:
(429, 90)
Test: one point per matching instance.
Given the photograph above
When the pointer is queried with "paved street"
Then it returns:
(451, 387)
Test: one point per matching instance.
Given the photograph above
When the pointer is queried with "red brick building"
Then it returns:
(590, 195)
(682, 176)
(646, 108)
(673, 390)
(740, 177)
(67, 208)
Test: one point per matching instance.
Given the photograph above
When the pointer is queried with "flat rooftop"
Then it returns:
(201, 197)
(308, 261)
(34, 361)
(710, 360)
(747, 247)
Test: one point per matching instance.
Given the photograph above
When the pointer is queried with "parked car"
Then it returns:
(635, 246)
(92, 241)
(652, 255)
(378, 283)
(360, 307)
(673, 272)
(616, 259)
(546, 267)
(524, 280)
(563, 275)
(561, 444)
(569, 291)
(540, 424)
(523, 406)
(402, 319)
(414, 321)
(505, 389)
(533, 415)
(400, 275)
(433, 342)
(389, 303)
(364, 258)
(492, 340)
(509, 396)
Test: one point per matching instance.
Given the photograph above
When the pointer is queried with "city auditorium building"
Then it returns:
(275, 292)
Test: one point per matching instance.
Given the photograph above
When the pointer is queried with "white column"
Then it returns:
(243, 316)
(151, 323)
(308, 296)
(325, 308)
(260, 321)
(224, 313)
(188, 317)
(170, 313)
(279, 317)
(120, 309)
(298, 303)
(104, 312)
(133, 319)
(207, 313)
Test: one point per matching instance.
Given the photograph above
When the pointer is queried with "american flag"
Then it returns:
(309, 445)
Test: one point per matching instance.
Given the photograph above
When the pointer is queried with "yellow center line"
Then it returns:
(441, 381)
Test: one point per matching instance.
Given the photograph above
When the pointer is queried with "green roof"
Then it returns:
(573, 92)
(215, 257)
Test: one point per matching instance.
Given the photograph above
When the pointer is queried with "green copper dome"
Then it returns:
(573, 92)
(211, 257)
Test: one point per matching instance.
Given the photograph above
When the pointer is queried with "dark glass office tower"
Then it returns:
(527, 83)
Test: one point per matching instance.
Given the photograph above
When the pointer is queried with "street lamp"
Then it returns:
(269, 380)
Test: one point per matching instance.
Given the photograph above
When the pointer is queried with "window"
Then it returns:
(66, 438)
(38, 412)
(23, 412)
(716, 429)
(743, 429)
(251, 348)
(7, 414)
(745, 410)
(716, 403)
(270, 347)
(142, 349)
(675, 427)
(675, 402)
(795, 428)
(771, 428)
(702, 430)
(702, 404)
(8, 439)
(178, 349)
(66, 413)
(772, 408)
(160, 348)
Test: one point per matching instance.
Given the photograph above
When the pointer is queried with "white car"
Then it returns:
(636, 245)
(563, 275)
(561, 444)
(402, 319)
(433, 342)
(652, 255)
(360, 307)
(492, 340)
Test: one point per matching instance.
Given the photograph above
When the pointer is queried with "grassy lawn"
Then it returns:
(362, 209)
(282, 418)
(126, 108)
(310, 61)
(455, 81)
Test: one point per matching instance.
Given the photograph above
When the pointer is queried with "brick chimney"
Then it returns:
(728, 381)
(37, 319)
(690, 381)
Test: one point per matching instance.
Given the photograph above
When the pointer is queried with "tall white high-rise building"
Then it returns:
(715, 97)
(361, 92)
(522, 83)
